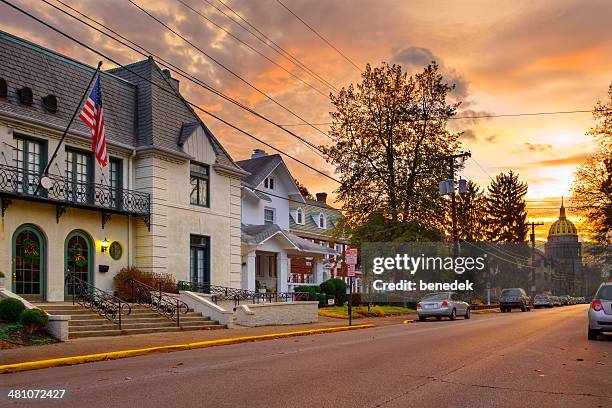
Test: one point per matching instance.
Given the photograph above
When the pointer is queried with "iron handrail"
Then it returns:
(156, 300)
(105, 304)
(238, 295)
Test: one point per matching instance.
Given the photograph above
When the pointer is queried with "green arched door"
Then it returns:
(79, 251)
(29, 260)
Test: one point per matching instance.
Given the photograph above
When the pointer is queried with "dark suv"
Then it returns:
(514, 298)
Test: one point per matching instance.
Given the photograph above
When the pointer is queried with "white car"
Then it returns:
(442, 304)
(600, 311)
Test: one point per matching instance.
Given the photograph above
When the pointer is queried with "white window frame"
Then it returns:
(273, 210)
(299, 216)
(269, 183)
(323, 224)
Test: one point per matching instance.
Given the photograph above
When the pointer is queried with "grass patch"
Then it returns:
(12, 335)
(341, 312)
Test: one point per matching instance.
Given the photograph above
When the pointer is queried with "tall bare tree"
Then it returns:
(592, 190)
(387, 129)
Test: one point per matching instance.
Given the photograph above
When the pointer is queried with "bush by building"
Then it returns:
(10, 309)
(33, 320)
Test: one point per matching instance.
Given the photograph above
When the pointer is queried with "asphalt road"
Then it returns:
(538, 359)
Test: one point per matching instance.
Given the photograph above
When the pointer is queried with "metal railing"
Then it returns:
(158, 301)
(19, 183)
(237, 295)
(103, 303)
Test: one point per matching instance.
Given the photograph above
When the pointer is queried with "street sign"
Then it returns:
(350, 271)
(351, 256)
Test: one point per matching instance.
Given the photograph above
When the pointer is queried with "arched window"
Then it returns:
(79, 256)
(29, 259)
(299, 216)
(321, 220)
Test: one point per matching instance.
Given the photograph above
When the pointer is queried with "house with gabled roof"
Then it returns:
(168, 202)
(268, 246)
(319, 223)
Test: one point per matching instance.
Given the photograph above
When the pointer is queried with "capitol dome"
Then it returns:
(562, 226)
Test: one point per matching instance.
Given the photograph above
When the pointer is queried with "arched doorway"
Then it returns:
(29, 262)
(79, 251)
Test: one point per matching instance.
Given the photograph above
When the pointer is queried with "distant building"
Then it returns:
(317, 221)
(565, 252)
(268, 246)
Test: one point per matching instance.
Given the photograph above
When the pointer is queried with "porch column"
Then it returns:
(248, 272)
(318, 270)
(283, 273)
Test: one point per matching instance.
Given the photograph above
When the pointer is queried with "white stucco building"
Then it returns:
(267, 244)
(168, 202)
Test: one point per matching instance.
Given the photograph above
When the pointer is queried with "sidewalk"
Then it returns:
(95, 345)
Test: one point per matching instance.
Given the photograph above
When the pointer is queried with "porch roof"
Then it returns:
(258, 234)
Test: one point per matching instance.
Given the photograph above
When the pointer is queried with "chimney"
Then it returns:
(257, 153)
(321, 197)
(173, 81)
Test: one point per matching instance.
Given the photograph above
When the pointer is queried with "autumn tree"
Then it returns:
(387, 128)
(592, 190)
(303, 189)
(506, 209)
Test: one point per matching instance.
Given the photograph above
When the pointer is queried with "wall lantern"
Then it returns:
(104, 245)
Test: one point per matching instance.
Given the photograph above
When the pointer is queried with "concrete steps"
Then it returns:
(87, 323)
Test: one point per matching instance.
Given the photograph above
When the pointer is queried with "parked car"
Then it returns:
(600, 312)
(556, 301)
(442, 304)
(564, 300)
(542, 300)
(514, 298)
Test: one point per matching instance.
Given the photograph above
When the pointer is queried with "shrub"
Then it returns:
(2, 274)
(151, 279)
(373, 312)
(337, 288)
(33, 320)
(310, 290)
(322, 298)
(10, 309)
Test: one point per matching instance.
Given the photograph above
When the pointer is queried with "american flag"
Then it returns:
(93, 116)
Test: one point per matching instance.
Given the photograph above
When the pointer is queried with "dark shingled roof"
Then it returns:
(136, 113)
(45, 72)
(259, 168)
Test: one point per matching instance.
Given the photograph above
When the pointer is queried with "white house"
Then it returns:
(267, 244)
(168, 202)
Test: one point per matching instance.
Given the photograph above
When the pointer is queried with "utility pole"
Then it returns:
(532, 239)
(450, 159)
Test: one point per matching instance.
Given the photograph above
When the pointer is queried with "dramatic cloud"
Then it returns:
(537, 147)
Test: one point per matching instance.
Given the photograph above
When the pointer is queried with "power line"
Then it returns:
(251, 48)
(227, 69)
(172, 92)
(177, 69)
(320, 36)
(502, 115)
(268, 42)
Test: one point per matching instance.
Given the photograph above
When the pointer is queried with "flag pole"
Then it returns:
(45, 172)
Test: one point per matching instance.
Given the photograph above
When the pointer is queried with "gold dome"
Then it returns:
(562, 226)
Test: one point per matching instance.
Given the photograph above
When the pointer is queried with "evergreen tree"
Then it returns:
(506, 210)
(471, 210)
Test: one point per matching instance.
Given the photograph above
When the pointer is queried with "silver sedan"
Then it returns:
(600, 311)
(442, 304)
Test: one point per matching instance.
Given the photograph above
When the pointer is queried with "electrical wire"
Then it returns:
(172, 92)
(251, 48)
(319, 35)
(250, 85)
(177, 69)
(267, 41)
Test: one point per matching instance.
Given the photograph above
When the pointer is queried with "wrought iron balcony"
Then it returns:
(15, 183)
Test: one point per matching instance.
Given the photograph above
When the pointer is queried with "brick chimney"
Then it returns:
(258, 153)
(321, 197)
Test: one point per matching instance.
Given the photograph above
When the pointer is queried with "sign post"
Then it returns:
(351, 261)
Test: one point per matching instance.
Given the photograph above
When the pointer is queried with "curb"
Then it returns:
(115, 355)
(408, 321)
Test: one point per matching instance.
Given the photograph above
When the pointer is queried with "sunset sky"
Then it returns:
(504, 57)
